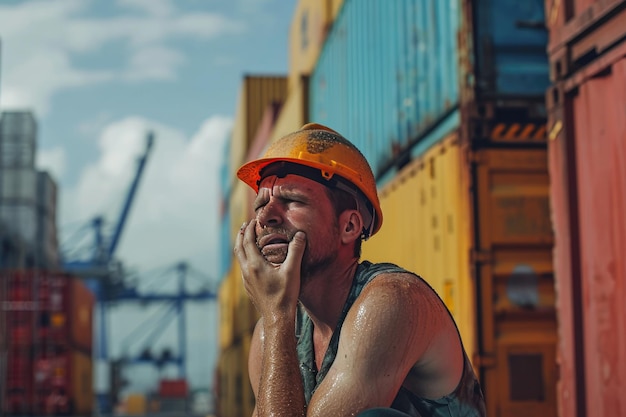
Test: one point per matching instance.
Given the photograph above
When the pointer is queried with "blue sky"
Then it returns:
(99, 74)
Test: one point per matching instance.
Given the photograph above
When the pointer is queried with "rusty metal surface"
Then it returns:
(600, 132)
(581, 31)
(588, 195)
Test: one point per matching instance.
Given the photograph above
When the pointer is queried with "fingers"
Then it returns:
(239, 243)
(295, 252)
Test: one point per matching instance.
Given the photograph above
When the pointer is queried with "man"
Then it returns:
(369, 338)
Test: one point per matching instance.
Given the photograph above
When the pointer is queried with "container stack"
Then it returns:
(587, 159)
(447, 102)
(48, 344)
(27, 197)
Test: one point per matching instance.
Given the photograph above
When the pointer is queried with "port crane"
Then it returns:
(105, 276)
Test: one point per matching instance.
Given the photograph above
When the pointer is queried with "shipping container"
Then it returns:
(230, 397)
(21, 219)
(581, 31)
(587, 150)
(18, 185)
(44, 308)
(389, 72)
(48, 381)
(136, 405)
(310, 24)
(476, 226)
(256, 93)
(18, 139)
(173, 388)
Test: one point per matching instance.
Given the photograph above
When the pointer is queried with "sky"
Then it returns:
(99, 75)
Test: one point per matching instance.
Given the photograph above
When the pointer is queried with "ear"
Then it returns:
(351, 226)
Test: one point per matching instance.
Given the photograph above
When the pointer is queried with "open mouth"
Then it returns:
(273, 242)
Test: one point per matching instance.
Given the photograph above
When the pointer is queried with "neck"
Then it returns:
(324, 294)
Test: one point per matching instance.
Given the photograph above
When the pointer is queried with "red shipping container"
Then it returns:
(581, 31)
(49, 382)
(588, 195)
(47, 309)
(173, 388)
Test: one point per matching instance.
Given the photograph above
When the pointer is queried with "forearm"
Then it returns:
(280, 391)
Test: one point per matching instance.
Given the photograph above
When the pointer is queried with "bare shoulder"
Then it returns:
(400, 305)
(402, 291)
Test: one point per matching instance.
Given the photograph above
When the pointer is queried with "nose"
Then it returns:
(270, 215)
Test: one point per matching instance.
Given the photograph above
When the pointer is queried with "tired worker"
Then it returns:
(338, 336)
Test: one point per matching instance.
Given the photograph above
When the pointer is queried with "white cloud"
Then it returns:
(39, 63)
(154, 63)
(154, 7)
(175, 213)
(52, 160)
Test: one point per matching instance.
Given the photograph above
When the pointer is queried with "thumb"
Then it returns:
(295, 251)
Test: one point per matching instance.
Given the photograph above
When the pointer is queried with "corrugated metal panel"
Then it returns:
(294, 112)
(427, 214)
(47, 309)
(227, 312)
(588, 160)
(387, 72)
(506, 286)
(49, 382)
(309, 27)
(514, 278)
(256, 93)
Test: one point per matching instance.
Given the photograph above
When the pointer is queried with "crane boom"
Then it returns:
(115, 238)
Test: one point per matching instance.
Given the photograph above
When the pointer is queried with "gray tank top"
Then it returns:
(466, 400)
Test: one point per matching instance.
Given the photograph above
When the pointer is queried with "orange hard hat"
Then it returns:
(333, 158)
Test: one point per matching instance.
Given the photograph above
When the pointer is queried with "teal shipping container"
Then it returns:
(392, 74)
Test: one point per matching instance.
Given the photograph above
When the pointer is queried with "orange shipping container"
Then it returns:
(80, 315)
(588, 194)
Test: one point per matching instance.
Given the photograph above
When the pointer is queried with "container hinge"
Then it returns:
(480, 256)
(484, 361)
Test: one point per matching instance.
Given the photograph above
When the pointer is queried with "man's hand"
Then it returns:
(273, 288)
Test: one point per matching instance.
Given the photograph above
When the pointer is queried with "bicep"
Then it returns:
(379, 343)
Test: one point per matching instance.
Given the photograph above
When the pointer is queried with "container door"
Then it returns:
(512, 261)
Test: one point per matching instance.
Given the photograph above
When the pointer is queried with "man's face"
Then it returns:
(285, 205)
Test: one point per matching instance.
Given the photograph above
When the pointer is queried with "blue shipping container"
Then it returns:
(510, 42)
(389, 72)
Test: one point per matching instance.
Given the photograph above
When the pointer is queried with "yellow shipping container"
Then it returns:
(426, 229)
(295, 111)
(226, 312)
(476, 226)
(82, 381)
(311, 22)
(136, 405)
(230, 366)
(257, 92)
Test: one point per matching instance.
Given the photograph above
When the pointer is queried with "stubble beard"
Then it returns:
(312, 262)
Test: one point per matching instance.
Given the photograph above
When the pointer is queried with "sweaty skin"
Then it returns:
(397, 332)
